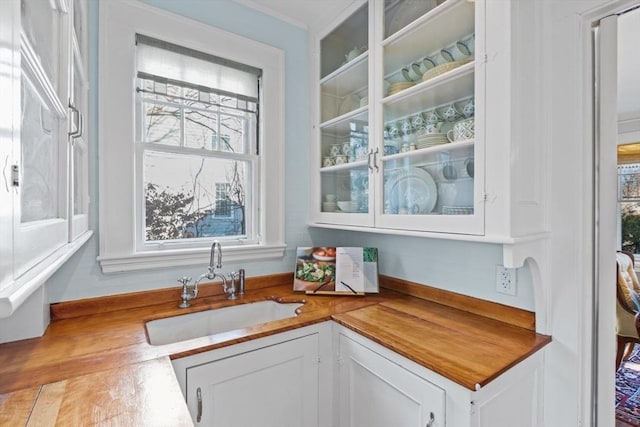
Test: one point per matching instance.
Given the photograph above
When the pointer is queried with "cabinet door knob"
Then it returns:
(369, 160)
(199, 397)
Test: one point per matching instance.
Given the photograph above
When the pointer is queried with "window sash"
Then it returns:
(249, 216)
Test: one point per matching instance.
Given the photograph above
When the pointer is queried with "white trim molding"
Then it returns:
(120, 21)
(15, 294)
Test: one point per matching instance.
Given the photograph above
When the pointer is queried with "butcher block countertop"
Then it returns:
(94, 366)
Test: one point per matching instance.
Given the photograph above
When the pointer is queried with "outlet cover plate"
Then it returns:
(505, 280)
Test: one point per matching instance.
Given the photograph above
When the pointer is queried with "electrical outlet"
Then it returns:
(505, 280)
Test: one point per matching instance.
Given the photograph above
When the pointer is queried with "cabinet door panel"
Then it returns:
(374, 391)
(274, 386)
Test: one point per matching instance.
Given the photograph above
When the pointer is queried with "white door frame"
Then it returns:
(605, 216)
(602, 61)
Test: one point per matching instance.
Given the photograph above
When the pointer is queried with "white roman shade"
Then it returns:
(163, 61)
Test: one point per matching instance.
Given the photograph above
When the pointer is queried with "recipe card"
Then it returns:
(349, 270)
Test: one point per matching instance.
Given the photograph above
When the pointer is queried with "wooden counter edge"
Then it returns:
(540, 341)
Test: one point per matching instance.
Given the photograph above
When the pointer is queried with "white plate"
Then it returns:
(413, 189)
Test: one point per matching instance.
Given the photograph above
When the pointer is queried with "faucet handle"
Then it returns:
(184, 280)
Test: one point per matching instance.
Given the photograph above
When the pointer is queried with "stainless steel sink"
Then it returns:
(215, 321)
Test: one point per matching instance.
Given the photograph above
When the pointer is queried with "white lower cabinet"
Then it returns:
(276, 381)
(378, 387)
(273, 386)
(376, 392)
(329, 376)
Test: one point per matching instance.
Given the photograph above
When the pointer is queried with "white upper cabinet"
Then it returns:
(44, 192)
(419, 126)
(397, 123)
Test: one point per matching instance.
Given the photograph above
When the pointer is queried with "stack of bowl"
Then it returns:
(329, 206)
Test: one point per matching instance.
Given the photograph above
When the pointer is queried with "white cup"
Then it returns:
(346, 148)
(331, 198)
(462, 130)
(409, 74)
(432, 128)
(449, 171)
(432, 117)
(456, 52)
(449, 112)
(341, 159)
(469, 167)
(466, 107)
(469, 43)
(394, 130)
(354, 53)
(417, 121)
(406, 126)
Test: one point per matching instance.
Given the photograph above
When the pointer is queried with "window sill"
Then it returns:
(177, 258)
(17, 292)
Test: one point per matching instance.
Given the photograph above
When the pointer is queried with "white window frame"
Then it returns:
(119, 21)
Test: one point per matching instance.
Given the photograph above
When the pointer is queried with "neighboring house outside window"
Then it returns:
(223, 201)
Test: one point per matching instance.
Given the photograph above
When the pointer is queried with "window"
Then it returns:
(197, 144)
(629, 206)
(199, 112)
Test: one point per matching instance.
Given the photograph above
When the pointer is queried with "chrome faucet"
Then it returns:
(186, 295)
(216, 256)
(215, 262)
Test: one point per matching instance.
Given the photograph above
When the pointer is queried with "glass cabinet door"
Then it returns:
(344, 153)
(428, 113)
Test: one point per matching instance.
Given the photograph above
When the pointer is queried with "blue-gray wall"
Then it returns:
(462, 267)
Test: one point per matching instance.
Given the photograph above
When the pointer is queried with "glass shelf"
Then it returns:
(430, 181)
(445, 88)
(424, 156)
(445, 24)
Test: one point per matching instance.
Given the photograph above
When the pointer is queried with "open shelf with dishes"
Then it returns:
(433, 181)
(440, 27)
(345, 189)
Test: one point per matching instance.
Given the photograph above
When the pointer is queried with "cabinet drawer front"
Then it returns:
(375, 391)
(272, 386)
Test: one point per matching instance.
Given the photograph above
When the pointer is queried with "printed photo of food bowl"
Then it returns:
(315, 269)
(324, 253)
